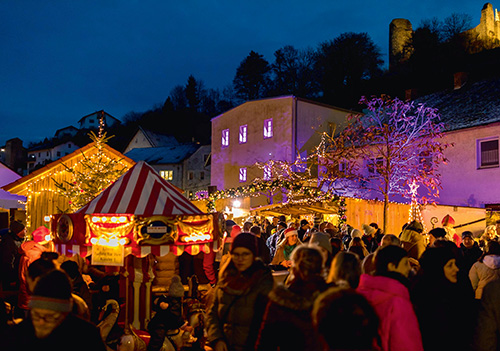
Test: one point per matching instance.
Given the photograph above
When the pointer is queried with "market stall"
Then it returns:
(138, 215)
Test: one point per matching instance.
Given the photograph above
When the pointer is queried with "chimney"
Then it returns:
(459, 80)
(411, 94)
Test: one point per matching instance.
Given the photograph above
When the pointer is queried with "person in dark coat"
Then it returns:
(287, 323)
(10, 254)
(471, 252)
(443, 301)
(50, 324)
(240, 297)
(487, 327)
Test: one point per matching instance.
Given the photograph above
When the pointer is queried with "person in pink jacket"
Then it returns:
(387, 291)
(30, 251)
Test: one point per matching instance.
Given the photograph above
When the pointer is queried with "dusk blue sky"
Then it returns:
(61, 60)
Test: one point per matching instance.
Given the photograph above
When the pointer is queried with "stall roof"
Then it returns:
(141, 191)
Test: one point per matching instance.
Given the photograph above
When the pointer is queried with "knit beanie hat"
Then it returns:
(52, 292)
(290, 231)
(16, 227)
(322, 240)
(176, 288)
(467, 234)
(246, 240)
(369, 230)
(356, 233)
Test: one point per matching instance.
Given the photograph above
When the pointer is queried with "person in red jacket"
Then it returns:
(387, 291)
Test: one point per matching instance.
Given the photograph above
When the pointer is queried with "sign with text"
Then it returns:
(108, 255)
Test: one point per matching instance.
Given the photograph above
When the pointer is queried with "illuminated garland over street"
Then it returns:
(295, 193)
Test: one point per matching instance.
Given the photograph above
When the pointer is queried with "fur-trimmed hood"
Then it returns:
(291, 298)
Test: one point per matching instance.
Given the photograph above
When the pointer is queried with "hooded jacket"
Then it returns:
(412, 240)
(399, 328)
(289, 313)
(30, 251)
(481, 273)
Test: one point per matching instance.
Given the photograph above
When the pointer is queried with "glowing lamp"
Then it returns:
(93, 241)
(236, 203)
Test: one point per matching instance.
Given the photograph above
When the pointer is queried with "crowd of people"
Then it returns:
(280, 285)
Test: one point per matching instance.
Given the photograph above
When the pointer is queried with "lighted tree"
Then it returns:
(90, 176)
(397, 144)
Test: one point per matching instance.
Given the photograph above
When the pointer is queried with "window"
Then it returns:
(58, 153)
(243, 134)
(374, 165)
(190, 175)
(267, 173)
(47, 153)
(488, 153)
(91, 121)
(69, 146)
(167, 175)
(202, 175)
(225, 138)
(243, 175)
(268, 128)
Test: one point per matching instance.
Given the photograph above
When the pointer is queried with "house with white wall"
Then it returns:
(92, 120)
(276, 128)
(471, 114)
(187, 165)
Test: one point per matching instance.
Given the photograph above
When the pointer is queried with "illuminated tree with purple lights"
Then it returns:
(398, 144)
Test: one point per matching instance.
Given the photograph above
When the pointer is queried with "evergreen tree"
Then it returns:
(91, 176)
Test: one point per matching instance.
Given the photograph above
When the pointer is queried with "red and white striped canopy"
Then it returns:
(142, 192)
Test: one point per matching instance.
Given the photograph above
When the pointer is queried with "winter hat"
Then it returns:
(41, 235)
(16, 227)
(356, 233)
(438, 232)
(304, 222)
(322, 240)
(246, 240)
(434, 259)
(52, 292)
(290, 231)
(176, 289)
(467, 234)
(235, 231)
(369, 230)
(447, 221)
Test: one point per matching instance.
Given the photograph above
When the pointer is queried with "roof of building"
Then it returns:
(158, 139)
(472, 105)
(291, 97)
(98, 112)
(164, 154)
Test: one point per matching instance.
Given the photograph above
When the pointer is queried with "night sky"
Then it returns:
(61, 60)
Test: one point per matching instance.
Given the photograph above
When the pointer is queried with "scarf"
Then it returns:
(287, 251)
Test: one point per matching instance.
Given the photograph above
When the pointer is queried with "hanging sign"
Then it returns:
(108, 255)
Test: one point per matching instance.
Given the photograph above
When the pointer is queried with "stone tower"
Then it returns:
(400, 32)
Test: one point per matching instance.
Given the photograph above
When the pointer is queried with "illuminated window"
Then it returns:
(225, 137)
(268, 128)
(243, 175)
(267, 173)
(167, 175)
(243, 134)
(488, 153)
